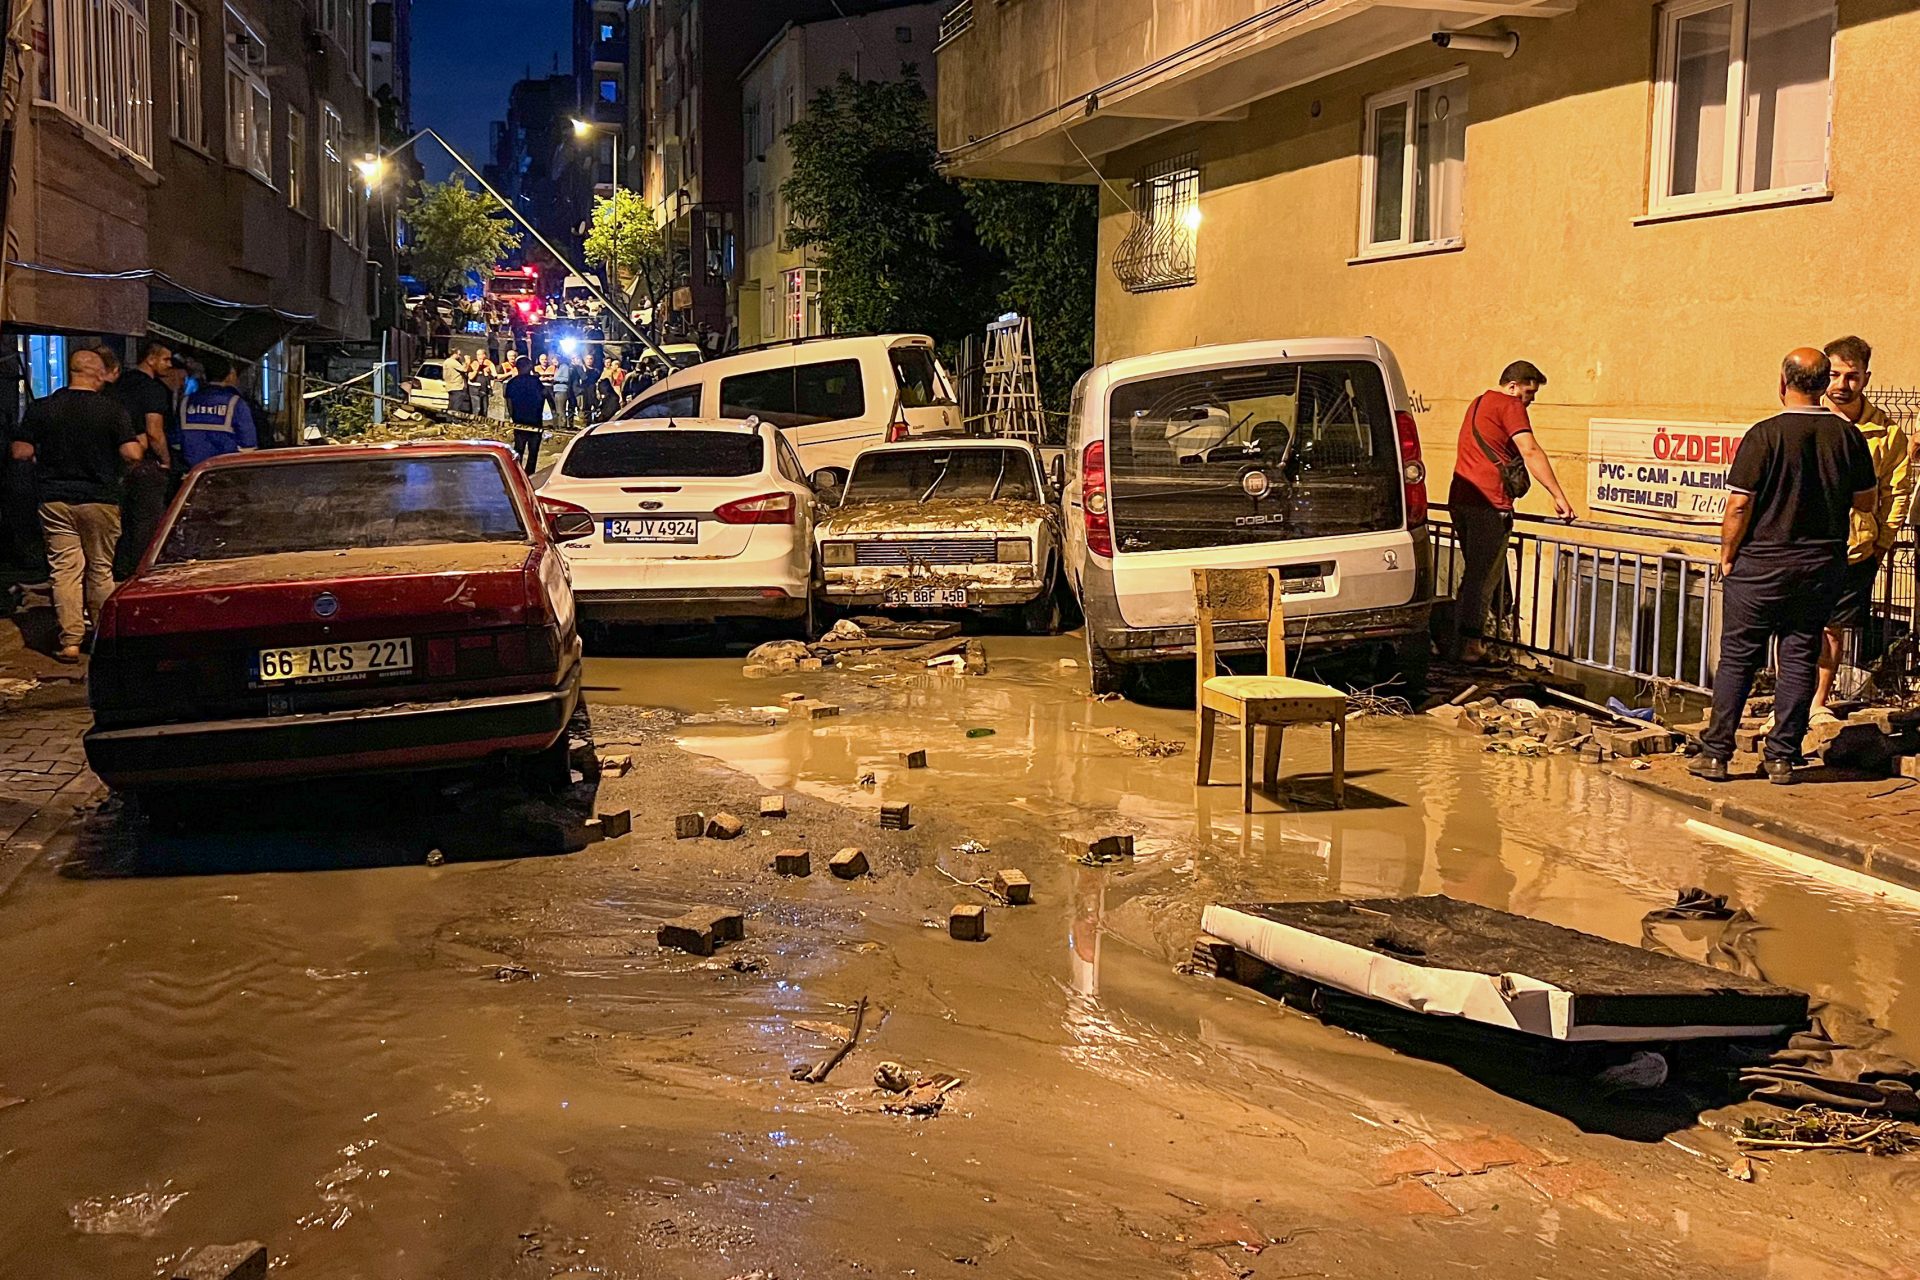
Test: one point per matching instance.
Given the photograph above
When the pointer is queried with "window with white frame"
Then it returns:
(189, 97)
(296, 159)
(1414, 175)
(333, 170)
(804, 318)
(98, 60)
(1743, 102)
(249, 103)
(336, 18)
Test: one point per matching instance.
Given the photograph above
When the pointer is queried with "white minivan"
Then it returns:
(1296, 454)
(832, 397)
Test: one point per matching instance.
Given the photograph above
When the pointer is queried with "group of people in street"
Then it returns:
(578, 391)
(1817, 496)
(105, 454)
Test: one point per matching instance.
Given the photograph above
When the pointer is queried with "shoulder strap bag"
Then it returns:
(1512, 469)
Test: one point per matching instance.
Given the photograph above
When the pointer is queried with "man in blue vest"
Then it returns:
(215, 419)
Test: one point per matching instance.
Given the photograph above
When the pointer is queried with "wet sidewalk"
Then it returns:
(1868, 824)
(43, 771)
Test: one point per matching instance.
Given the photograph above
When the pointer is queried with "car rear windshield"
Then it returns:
(1255, 453)
(618, 455)
(920, 383)
(235, 512)
(916, 475)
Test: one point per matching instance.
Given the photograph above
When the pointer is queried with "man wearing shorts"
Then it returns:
(1873, 532)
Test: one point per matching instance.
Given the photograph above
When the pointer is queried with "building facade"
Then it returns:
(187, 167)
(1651, 201)
(780, 287)
(536, 163)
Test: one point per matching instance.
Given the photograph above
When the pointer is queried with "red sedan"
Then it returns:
(307, 612)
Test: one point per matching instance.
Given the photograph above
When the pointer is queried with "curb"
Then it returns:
(1896, 864)
(26, 845)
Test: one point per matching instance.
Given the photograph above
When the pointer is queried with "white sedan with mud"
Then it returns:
(943, 525)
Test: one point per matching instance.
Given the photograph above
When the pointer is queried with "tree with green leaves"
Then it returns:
(625, 235)
(1048, 234)
(456, 230)
(892, 234)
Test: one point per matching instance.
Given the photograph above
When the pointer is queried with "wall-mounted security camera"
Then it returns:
(1506, 44)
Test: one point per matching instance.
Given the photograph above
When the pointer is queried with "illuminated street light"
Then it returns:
(373, 170)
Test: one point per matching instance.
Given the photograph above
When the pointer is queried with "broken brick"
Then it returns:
(848, 864)
(1013, 886)
(724, 826)
(968, 923)
(793, 862)
(1212, 956)
(773, 806)
(689, 826)
(815, 710)
(896, 817)
(690, 933)
(616, 824)
(915, 759)
(245, 1261)
(1100, 849)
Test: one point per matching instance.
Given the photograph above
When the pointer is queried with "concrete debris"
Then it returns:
(893, 1077)
(815, 710)
(914, 759)
(848, 864)
(1141, 745)
(514, 973)
(793, 862)
(967, 923)
(1523, 727)
(896, 817)
(616, 824)
(689, 826)
(952, 664)
(971, 848)
(724, 826)
(846, 629)
(1013, 885)
(246, 1261)
(435, 857)
(1851, 744)
(975, 660)
(1099, 851)
(1628, 743)
(773, 806)
(925, 1098)
(616, 766)
(1644, 1070)
(778, 655)
(790, 698)
(702, 929)
(581, 756)
(1910, 766)
(813, 664)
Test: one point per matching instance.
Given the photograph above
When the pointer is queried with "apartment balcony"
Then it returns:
(1033, 90)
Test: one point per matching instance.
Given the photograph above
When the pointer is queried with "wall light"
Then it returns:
(1506, 44)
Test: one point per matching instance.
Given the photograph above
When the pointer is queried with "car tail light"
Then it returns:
(896, 432)
(1093, 497)
(771, 508)
(477, 655)
(1413, 470)
(565, 521)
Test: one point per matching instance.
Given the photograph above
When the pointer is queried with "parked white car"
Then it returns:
(1296, 454)
(832, 396)
(944, 524)
(684, 520)
(427, 388)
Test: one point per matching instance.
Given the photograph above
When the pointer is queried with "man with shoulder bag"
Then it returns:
(1496, 463)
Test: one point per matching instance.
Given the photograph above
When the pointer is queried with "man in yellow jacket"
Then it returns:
(1873, 532)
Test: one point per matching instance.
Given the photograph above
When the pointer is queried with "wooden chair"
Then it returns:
(1275, 700)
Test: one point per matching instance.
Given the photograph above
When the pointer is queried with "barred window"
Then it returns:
(98, 59)
(1158, 251)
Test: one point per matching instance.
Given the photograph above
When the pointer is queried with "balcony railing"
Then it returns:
(954, 23)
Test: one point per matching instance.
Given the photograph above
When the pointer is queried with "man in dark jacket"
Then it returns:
(526, 405)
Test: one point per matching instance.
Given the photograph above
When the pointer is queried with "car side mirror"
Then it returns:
(1057, 473)
(829, 481)
(566, 526)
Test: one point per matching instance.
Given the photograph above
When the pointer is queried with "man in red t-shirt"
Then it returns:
(1496, 436)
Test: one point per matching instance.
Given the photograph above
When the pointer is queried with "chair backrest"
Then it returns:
(1238, 595)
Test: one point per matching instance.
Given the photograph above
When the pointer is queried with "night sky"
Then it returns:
(467, 54)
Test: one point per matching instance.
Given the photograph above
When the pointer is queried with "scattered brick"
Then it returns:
(896, 817)
(689, 826)
(246, 1261)
(616, 824)
(724, 826)
(848, 864)
(968, 923)
(815, 710)
(793, 862)
(773, 806)
(1014, 886)
(915, 759)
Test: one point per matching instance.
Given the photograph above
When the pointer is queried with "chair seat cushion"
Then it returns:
(1252, 688)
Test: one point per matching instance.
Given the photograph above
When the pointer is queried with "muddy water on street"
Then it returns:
(1429, 811)
(231, 1043)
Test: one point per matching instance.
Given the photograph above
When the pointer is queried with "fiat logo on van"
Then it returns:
(1255, 484)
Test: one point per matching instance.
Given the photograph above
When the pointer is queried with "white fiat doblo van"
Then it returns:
(1296, 454)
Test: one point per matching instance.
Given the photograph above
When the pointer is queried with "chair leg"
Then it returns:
(1340, 764)
(1276, 736)
(1247, 729)
(1203, 746)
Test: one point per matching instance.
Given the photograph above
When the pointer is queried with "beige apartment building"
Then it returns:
(780, 287)
(1651, 201)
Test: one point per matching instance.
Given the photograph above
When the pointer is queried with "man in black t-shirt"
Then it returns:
(1792, 489)
(79, 439)
(143, 501)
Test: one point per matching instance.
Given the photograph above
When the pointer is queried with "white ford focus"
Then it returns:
(666, 520)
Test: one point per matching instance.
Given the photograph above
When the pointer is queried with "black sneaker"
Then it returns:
(1780, 773)
(1711, 768)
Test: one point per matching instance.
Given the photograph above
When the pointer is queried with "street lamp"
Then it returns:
(584, 129)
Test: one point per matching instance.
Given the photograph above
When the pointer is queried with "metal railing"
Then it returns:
(954, 23)
(1645, 603)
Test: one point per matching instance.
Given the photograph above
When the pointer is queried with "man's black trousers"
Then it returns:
(1764, 602)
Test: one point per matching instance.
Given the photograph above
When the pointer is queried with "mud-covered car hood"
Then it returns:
(955, 515)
